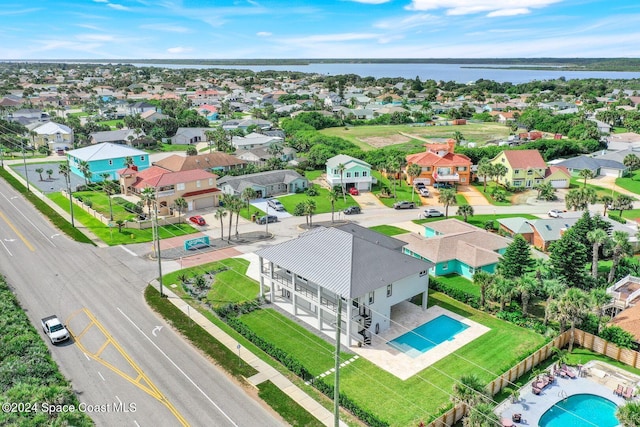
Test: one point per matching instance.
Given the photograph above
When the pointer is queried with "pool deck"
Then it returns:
(601, 380)
(406, 317)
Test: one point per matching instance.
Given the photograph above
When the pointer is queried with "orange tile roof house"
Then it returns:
(440, 164)
(197, 187)
(525, 168)
(214, 161)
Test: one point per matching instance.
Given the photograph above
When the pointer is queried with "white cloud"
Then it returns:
(322, 38)
(509, 12)
(264, 34)
(466, 7)
(117, 6)
(179, 49)
(166, 28)
(406, 23)
(371, 1)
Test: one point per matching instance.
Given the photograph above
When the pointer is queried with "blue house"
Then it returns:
(455, 247)
(106, 158)
(350, 172)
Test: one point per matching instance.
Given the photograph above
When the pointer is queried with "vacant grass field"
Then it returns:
(323, 204)
(311, 175)
(630, 182)
(389, 230)
(113, 124)
(371, 137)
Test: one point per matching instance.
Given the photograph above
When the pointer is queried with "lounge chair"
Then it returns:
(568, 371)
(536, 390)
(506, 422)
(619, 390)
(516, 418)
(628, 393)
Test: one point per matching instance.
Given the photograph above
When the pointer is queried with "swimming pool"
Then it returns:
(581, 410)
(426, 336)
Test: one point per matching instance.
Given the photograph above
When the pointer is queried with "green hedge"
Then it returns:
(617, 218)
(455, 293)
(364, 415)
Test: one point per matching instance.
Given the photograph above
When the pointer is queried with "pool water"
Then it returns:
(425, 337)
(581, 410)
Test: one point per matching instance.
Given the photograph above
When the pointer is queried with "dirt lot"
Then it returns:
(384, 141)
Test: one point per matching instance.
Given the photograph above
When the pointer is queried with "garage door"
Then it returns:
(559, 183)
(203, 202)
(609, 172)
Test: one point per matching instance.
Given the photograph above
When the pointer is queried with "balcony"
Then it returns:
(443, 177)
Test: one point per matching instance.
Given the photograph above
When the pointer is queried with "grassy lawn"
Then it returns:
(100, 202)
(491, 185)
(479, 220)
(110, 235)
(289, 409)
(630, 214)
(403, 191)
(475, 132)
(600, 191)
(461, 200)
(323, 205)
(389, 230)
(311, 175)
(113, 124)
(580, 356)
(173, 147)
(630, 182)
(458, 282)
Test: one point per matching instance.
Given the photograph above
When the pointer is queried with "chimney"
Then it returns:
(452, 145)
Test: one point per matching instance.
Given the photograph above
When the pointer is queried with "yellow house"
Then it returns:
(525, 168)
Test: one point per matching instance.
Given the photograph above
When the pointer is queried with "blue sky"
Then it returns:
(220, 29)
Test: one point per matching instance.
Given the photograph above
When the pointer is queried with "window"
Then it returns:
(348, 174)
(463, 179)
(210, 181)
(198, 183)
(371, 297)
(110, 162)
(389, 290)
(445, 266)
(180, 186)
(472, 270)
(356, 174)
(428, 169)
(335, 171)
(142, 158)
(364, 173)
(530, 172)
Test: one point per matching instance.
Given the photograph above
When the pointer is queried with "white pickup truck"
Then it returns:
(55, 330)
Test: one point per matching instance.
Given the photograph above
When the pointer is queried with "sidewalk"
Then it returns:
(265, 371)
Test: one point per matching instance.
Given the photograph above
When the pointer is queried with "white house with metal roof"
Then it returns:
(350, 172)
(308, 275)
(105, 158)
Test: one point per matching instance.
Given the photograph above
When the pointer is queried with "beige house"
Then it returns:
(197, 187)
(52, 135)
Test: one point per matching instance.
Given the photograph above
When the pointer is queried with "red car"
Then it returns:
(354, 191)
(198, 220)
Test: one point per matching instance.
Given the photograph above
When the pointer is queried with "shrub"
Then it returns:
(617, 218)
(455, 293)
(312, 191)
(617, 336)
(367, 417)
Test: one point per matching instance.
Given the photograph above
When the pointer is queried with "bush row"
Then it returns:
(455, 293)
(364, 415)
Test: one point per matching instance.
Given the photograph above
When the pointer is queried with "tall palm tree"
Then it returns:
(109, 187)
(447, 197)
(148, 195)
(597, 238)
(469, 390)
(572, 307)
(585, 174)
(392, 166)
(621, 247)
(553, 288)
(180, 204)
(49, 173)
(220, 213)
(128, 161)
(414, 171)
(600, 298)
(333, 198)
(498, 171)
(485, 169)
(481, 415)
(483, 280)
(501, 290)
(85, 169)
(39, 172)
(309, 209)
(466, 211)
(341, 169)
(247, 195)
(606, 201)
(525, 286)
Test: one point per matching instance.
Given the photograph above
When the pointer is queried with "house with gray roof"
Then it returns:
(598, 166)
(347, 171)
(369, 278)
(120, 136)
(538, 232)
(266, 184)
(255, 140)
(186, 136)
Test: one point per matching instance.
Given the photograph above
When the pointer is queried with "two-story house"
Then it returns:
(52, 135)
(525, 168)
(350, 172)
(367, 273)
(105, 158)
(197, 187)
(440, 164)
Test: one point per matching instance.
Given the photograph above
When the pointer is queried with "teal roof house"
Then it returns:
(455, 247)
(106, 158)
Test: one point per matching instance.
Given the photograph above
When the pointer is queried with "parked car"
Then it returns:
(442, 185)
(354, 191)
(419, 185)
(424, 192)
(275, 204)
(267, 218)
(352, 210)
(404, 205)
(428, 213)
(555, 213)
(198, 220)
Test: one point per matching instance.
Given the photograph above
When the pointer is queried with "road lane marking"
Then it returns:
(30, 222)
(6, 248)
(178, 368)
(141, 380)
(15, 230)
(101, 376)
(128, 250)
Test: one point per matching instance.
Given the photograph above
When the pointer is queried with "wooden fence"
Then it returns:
(581, 339)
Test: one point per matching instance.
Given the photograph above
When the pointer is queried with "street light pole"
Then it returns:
(24, 160)
(68, 179)
(158, 247)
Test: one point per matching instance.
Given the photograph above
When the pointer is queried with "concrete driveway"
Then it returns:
(262, 205)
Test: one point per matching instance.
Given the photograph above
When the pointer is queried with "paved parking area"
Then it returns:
(263, 206)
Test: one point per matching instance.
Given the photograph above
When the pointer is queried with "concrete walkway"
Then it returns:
(265, 371)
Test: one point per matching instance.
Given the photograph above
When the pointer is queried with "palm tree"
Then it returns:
(483, 280)
(85, 169)
(341, 168)
(39, 172)
(457, 136)
(585, 174)
(572, 307)
(597, 238)
(333, 198)
(414, 171)
(110, 188)
(248, 194)
(466, 211)
(392, 166)
(481, 415)
(623, 203)
(485, 169)
(309, 209)
(621, 247)
(128, 161)
(469, 390)
(501, 290)
(606, 201)
(235, 205)
(631, 161)
(498, 171)
(600, 298)
(148, 195)
(447, 197)
(49, 173)
(525, 286)
(629, 414)
(180, 204)
(220, 214)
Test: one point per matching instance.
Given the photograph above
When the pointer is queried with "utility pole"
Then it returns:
(158, 247)
(336, 385)
(68, 179)
(24, 160)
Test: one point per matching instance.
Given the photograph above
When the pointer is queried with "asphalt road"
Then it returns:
(124, 354)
